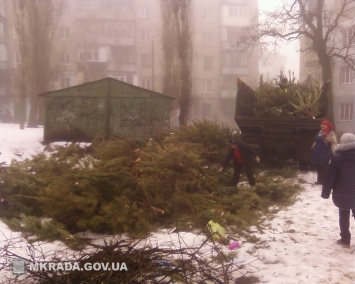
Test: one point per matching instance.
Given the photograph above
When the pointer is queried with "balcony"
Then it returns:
(106, 14)
(115, 40)
(2, 91)
(228, 70)
(230, 94)
(313, 63)
(122, 67)
(3, 65)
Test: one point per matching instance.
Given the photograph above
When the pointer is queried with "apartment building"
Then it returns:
(218, 25)
(343, 77)
(344, 80)
(122, 39)
(5, 94)
(98, 39)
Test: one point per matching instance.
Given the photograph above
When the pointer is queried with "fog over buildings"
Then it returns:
(122, 39)
(285, 57)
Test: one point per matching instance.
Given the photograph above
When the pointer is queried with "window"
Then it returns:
(235, 58)
(206, 109)
(119, 29)
(112, 30)
(2, 10)
(316, 75)
(146, 83)
(207, 38)
(207, 63)
(238, 11)
(207, 86)
(15, 34)
(145, 36)
(64, 33)
(81, 54)
(144, 12)
(88, 5)
(97, 29)
(66, 59)
(243, 59)
(17, 5)
(17, 58)
(208, 15)
(346, 111)
(146, 60)
(66, 82)
(348, 36)
(93, 54)
(234, 35)
(126, 29)
(124, 11)
(120, 77)
(228, 83)
(228, 109)
(345, 75)
(123, 55)
(2, 52)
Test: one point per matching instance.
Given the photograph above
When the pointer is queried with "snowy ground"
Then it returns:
(297, 245)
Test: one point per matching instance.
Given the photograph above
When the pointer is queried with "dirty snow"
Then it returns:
(296, 245)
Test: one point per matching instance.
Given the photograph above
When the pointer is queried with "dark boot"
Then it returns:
(344, 224)
(340, 242)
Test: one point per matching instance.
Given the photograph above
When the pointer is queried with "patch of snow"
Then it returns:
(297, 245)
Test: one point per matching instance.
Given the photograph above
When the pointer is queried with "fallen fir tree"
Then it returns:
(134, 186)
(287, 98)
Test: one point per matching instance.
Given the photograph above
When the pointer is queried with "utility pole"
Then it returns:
(153, 74)
(153, 69)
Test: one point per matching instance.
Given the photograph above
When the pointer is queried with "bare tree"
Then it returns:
(315, 22)
(35, 23)
(178, 53)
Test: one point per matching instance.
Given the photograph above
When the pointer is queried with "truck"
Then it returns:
(278, 137)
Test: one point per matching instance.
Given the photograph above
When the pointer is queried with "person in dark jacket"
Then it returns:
(324, 144)
(243, 156)
(340, 177)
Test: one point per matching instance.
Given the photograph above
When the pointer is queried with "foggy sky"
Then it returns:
(289, 50)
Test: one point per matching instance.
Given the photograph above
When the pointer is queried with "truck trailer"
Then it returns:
(280, 137)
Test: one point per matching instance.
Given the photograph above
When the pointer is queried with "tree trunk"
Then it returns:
(177, 47)
(36, 23)
(22, 110)
(327, 77)
(33, 114)
(183, 116)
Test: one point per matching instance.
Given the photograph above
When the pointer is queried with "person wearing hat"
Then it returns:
(324, 144)
(243, 156)
(340, 177)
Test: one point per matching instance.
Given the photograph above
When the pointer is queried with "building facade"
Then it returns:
(343, 77)
(218, 26)
(122, 39)
(5, 64)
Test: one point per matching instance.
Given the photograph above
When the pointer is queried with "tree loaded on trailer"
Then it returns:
(281, 120)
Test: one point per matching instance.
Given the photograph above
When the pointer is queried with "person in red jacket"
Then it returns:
(243, 156)
(324, 144)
